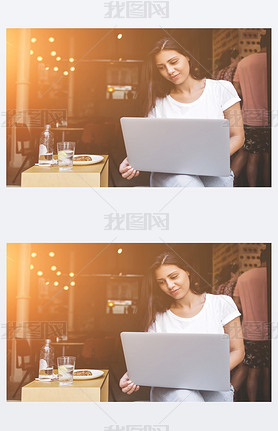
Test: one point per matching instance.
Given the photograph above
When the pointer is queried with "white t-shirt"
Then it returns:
(218, 310)
(215, 99)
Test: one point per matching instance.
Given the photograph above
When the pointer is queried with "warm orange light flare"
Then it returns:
(53, 53)
(39, 273)
(110, 304)
(32, 267)
(34, 254)
(71, 274)
(47, 283)
(56, 283)
(120, 36)
(58, 58)
(55, 69)
(53, 268)
(58, 273)
(46, 68)
(66, 288)
(110, 89)
(72, 69)
(51, 254)
(33, 39)
(31, 52)
(120, 250)
(65, 73)
(39, 58)
(71, 59)
(72, 283)
(51, 39)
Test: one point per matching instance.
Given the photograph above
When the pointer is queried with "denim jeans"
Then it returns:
(179, 180)
(191, 396)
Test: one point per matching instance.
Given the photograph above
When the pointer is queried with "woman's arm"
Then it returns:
(233, 328)
(233, 114)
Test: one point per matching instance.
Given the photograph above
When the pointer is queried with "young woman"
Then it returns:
(171, 301)
(173, 87)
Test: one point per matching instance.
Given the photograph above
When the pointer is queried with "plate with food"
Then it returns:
(86, 159)
(86, 374)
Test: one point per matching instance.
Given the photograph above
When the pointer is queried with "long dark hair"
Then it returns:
(153, 85)
(152, 299)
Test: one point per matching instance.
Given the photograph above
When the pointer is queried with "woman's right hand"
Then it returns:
(127, 386)
(127, 171)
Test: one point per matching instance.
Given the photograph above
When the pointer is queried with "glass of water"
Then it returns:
(65, 155)
(66, 365)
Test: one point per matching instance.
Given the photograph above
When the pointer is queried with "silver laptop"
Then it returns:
(189, 361)
(175, 145)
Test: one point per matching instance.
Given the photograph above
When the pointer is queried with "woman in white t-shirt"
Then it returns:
(171, 302)
(173, 88)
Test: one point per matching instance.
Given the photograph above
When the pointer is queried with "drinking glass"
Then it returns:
(65, 155)
(66, 365)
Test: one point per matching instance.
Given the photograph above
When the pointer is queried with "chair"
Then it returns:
(24, 360)
(24, 146)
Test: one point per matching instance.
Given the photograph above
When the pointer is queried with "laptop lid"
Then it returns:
(190, 361)
(177, 145)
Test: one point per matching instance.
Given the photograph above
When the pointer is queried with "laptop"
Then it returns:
(177, 145)
(188, 361)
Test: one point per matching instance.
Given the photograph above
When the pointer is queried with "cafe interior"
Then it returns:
(82, 81)
(82, 296)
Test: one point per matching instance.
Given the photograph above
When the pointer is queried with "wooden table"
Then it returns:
(95, 390)
(80, 176)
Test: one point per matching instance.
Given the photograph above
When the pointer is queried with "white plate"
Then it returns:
(95, 159)
(95, 374)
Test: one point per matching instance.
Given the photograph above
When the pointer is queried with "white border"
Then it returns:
(195, 216)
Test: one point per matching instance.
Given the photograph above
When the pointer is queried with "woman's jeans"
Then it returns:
(189, 396)
(179, 180)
